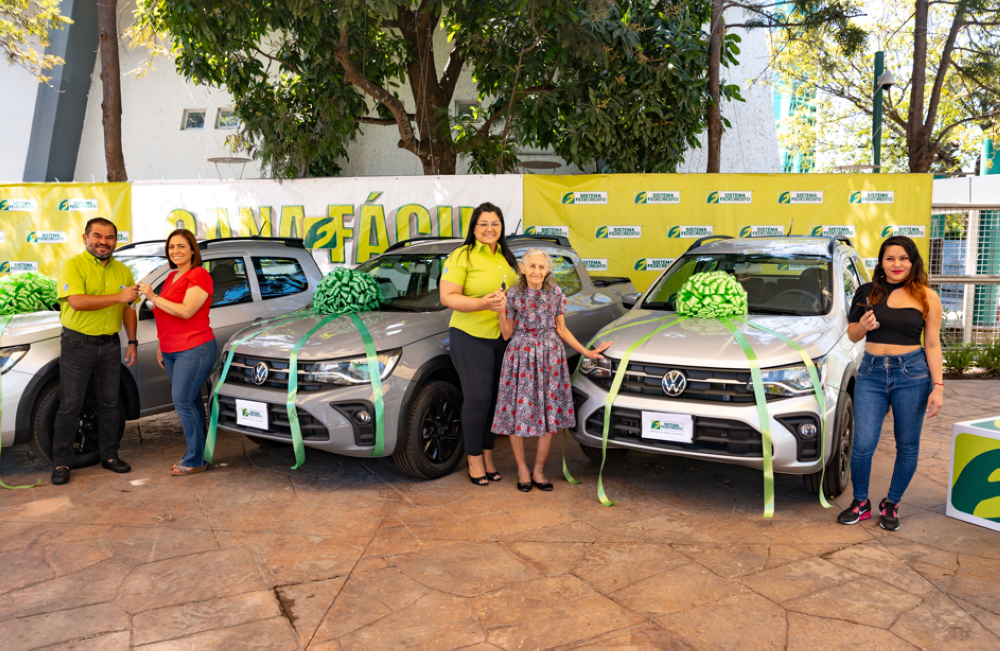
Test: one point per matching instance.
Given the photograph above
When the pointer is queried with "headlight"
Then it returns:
(597, 368)
(350, 372)
(792, 380)
(11, 355)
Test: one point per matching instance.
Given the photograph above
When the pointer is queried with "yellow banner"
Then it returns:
(635, 224)
(41, 224)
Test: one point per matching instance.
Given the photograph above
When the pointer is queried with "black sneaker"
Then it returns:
(889, 512)
(856, 512)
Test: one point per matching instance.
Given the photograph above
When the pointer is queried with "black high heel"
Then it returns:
(478, 481)
(493, 476)
(547, 486)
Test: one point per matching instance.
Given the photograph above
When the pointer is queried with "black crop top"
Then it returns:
(901, 326)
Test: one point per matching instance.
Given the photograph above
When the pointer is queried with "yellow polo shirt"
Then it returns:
(84, 274)
(479, 273)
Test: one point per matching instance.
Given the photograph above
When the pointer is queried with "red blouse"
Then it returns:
(177, 334)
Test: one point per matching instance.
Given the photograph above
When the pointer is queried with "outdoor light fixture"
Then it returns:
(885, 80)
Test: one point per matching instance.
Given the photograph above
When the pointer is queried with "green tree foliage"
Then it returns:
(600, 79)
(946, 96)
(24, 23)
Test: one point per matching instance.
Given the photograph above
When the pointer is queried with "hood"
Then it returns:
(31, 328)
(709, 343)
(340, 338)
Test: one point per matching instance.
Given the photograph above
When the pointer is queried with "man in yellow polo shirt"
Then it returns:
(95, 295)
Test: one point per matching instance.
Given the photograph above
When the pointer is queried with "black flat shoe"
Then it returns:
(60, 476)
(116, 465)
(524, 488)
(547, 486)
(493, 476)
(479, 481)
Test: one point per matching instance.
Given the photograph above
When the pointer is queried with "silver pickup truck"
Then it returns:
(422, 393)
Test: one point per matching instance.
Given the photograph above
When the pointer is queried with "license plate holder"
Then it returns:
(250, 413)
(660, 426)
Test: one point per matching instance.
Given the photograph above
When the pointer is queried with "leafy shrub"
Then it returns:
(989, 358)
(959, 359)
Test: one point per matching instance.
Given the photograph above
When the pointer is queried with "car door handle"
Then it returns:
(258, 320)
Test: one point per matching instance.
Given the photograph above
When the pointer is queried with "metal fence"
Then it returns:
(964, 268)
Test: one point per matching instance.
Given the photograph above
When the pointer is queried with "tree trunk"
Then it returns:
(111, 106)
(714, 116)
(917, 138)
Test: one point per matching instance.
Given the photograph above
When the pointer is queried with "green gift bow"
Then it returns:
(714, 295)
(26, 292)
(4, 320)
(343, 292)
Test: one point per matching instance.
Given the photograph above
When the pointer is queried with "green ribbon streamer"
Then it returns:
(615, 386)
(375, 373)
(566, 474)
(817, 390)
(293, 391)
(26, 292)
(4, 320)
(213, 423)
(762, 415)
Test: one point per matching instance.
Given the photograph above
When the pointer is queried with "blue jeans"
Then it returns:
(188, 371)
(904, 382)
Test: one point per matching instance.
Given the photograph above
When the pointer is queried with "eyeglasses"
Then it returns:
(486, 224)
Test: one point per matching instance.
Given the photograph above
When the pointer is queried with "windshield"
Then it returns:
(409, 282)
(775, 284)
(141, 266)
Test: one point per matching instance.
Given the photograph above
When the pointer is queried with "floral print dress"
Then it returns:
(534, 397)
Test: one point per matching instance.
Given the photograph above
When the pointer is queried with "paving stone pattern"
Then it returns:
(348, 554)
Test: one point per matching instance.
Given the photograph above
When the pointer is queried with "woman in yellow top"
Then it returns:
(474, 284)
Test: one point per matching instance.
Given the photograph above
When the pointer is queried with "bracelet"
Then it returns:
(939, 384)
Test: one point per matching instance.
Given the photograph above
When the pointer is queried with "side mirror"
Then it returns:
(629, 300)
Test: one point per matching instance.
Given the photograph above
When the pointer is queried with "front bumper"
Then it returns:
(326, 416)
(13, 387)
(724, 432)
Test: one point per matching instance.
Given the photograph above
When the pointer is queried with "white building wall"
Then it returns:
(156, 148)
(17, 110)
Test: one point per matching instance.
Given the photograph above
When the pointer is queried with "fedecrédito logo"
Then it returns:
(868, 196)
(252, 413)
(908, 231)
(831, 231)
(46, 237)
(681, 232)
(800, 197)
(870, 263)
(656, 196)
(78, 204)
(14, 267)
(583, 198)
(665, 426)
(595, 264)
(976, 460)
(124, 237)
(729, 197)
(18, 205)
(549, 231)
(618, 232)
(651, 264)
(762, 231)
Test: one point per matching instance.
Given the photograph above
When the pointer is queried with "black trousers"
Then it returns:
(478, 362)
(87, 360)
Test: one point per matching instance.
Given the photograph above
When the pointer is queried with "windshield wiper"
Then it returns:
(657, 305)
(770, 310)
(402, 308)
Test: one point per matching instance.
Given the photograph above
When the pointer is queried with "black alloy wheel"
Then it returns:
(434, 444)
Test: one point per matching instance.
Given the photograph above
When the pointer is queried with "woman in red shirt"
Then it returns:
(187, 349)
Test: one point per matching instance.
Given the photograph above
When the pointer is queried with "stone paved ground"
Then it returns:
(351, 554)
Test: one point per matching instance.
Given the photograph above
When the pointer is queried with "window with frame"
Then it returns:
(278, 277)
(466, 108)
(851, 281)
(229, 279)
(226, 119)
(566, 276)
(193, 119)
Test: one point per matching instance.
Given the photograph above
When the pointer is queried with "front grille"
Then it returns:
(709, 384)
(241, 372)
(277, 420)
(716, 435)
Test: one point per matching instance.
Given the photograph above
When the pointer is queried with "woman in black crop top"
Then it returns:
(891, 313)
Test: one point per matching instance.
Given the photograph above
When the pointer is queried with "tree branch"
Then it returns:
(287, 64)
(382, 121)
(932, 105)
(452, 71)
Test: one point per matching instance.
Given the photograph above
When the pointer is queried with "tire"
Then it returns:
(434, 443)
(838, 467)
(85, 446)
(594, 454)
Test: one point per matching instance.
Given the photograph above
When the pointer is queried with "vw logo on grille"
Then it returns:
(260, 372)
(674, 383)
